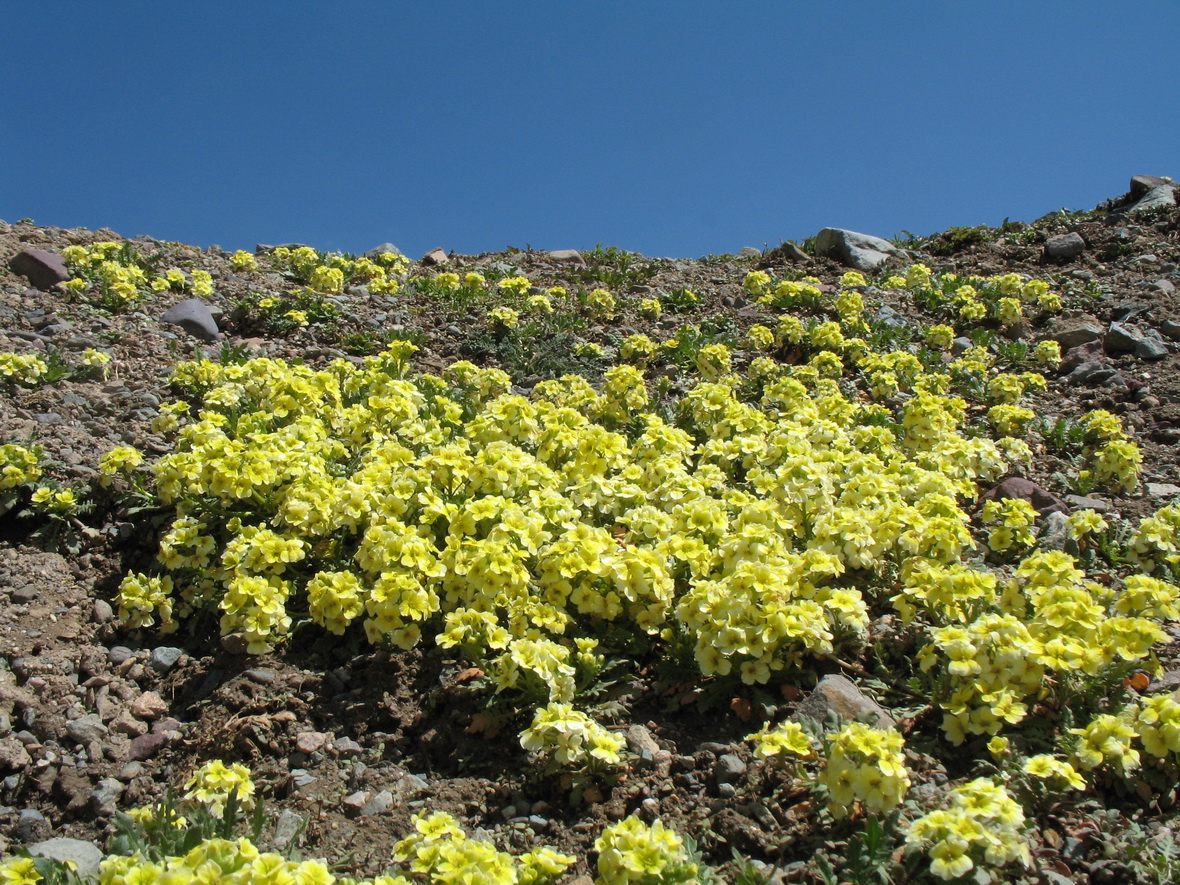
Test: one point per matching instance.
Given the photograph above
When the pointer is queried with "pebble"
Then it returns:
(148, 705)
(379, 803)
(311, 741)
(31, 825)
(103, 612)
(164, 658)
(287, 828)
(104, 798)
(729, 768)
(262, 676)
(146, 746)
(347, 747)
(86, 729)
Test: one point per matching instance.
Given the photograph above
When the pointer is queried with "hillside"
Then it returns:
(541, 540)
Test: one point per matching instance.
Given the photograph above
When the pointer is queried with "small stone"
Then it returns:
(261, 676)
(301, 778)
(641, 743)
(1151, 349)
(287, 828)
(1084, 502)
(567, 256)
(85, 855)
(1055, 536)
(1074, 330)
(31, 825)
(435, 256)
(839, 696)
(887, 316)
(194, 316)
(86, 729)
(729, 768)
(311, 741)
(125, 723)
(347, 747)
(104, 799)
(164, 658)
(412, 783)
(379, 803)
(726, 791)
(1164, 287)
(131, 771)
(146, 746)
(235, 643)
(13, 755)
(1171, 328)
(354, 802)
(170, 728)
(25, 593)
(961, 345)
(148, 705)
(749, 252)
(42, 269)
(1121, 338)
(1065, 247)
(102, 611)
(1041, 499)
(378, 251)
(117, 654)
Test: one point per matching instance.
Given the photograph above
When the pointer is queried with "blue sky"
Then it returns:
(668, 128)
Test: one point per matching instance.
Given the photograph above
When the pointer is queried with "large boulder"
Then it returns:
(42, 269)
(851, 249)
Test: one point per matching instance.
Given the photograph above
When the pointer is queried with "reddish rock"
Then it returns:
(1042, 500)
(146, 746)
(43, 269)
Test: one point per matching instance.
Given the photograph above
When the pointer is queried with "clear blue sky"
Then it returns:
(668, 128)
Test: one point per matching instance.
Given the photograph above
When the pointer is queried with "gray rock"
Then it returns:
(1084, 502)
(86, 729)
(32, 826)
(347, 747)
(1141, 184)
(164, 658)
(961, 345)
(1064, 247)
(194, 316)
(117, 654)
(85, 855)
(749, 252)
(1162, 197)
(42, 269)
(300, 778)
(436, 256)
(378, 251)
(641, 743)
(1074, 330)
(1164, 287)
(287, 828)
(1151, 349)
(354, 802)
(1162, 489)
(887, 316)
(837, 695)
(567, 256)
(1121, 338)
(379, 803)
(792, 252)
(104, 799)
(261, 675)
(1054, 535)
(853, 249)
(1091, 372)
(24, 593)
(729, 769)
(102, 611)
(412, 783)
(1171, 328)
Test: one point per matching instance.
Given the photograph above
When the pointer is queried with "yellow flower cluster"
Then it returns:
(243, 260)
(116, 276)
(440, 852)
(787, 737)
(22, 368)
(601, 303)
(60, 501)
(634, 853)
(571, 737)
(1156, 542)
(212, 784)
(19, 871)
(1047, 619)
(504, 317)
(215, 860)
(18, 465)
(329, 272)
(866, 765)
(983, 830)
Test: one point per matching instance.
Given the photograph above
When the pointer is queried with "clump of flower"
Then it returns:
(503, 317)
(638, 348)
(18, 465)
(1011, 522)
(59, 501)
(760, 337)
(243, 260)
(781, 740)
(634, 853)
(516, 285)
(1106, 740)
(1156, 542)
(539, 303)
(1047, 353)
(570, 737)
(756, 282)
(22, 369)
(649, 308)
(940, 336)
(983, 829)
(713, 361)
(439, 850)
(1056, 771)
(866, 765)
(212, 784)
(601, 303)
(329, 280)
